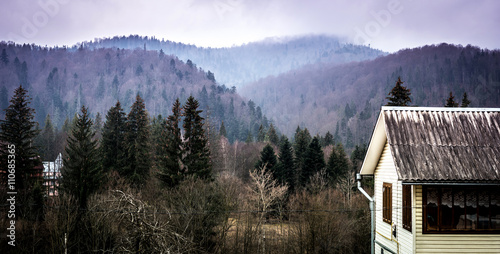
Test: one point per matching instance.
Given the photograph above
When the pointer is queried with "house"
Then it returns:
(51, 175)
(436, 180)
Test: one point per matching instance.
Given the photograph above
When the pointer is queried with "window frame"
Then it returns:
(387, 202)
(467, 189)
(407, 207)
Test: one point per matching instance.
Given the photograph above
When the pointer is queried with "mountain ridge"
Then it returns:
(237, 66)
(60, 81)
(346, 98)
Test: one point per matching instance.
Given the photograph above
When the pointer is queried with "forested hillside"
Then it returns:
(239, 65)
(61, 80)
(345, 99)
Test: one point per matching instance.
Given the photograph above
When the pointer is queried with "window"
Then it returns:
(407, 207)
(467, 209)
(387, 201)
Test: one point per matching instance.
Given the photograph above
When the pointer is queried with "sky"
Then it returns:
(389, 25)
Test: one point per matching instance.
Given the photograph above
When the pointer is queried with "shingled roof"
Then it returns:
(438, 144)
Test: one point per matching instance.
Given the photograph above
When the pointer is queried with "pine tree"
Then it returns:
(196, 157)
(18, 133)
(314, 161)
(249, 138)
(465, 101)
(222, 130)
(300, 149)
(171, 149)
(138, 161)
(48, 141)
(297, 133)
(338, 165)
(112, 147)
(286, 167)
(450, 102)
(267, 160)
(328, 139)
(358, 156)
(158, 124)
(273, 136)
(399, 95)
(81, 175)
(262, 134)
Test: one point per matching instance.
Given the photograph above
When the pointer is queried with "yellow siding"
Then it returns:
(386, 172)
(450, 243)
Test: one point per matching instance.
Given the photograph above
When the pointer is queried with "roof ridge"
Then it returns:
(436, 145)
(439, 109)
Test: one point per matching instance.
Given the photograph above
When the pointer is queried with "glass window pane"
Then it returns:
(431, 209)
(446, 209)
(495, 208)
(484, 209)
(407, 207)
(471, 209)
(458, 213)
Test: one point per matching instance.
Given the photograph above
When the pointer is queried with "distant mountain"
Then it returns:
(345, 99)
(236, 66)
(61, 80)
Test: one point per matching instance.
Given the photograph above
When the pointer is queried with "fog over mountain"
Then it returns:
(239, 65)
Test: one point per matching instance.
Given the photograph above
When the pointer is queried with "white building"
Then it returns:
(437, 180)
(51, 175)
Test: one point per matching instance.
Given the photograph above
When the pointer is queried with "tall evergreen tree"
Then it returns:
(196, 157)
(300, 149)
(399, 95)
(450, 102)
(18, 132)
(357, 156)
(267, 160)
(138, 159)
(314, 160)
(286, 167)
(273, 136)
(328, 139)
(158, 124)
(249, 138)
(262, 134)
(222, 130)
(465, 101)
(338, 164)
(171, 148)
(48, 141)
(81, 174)
(112, 147)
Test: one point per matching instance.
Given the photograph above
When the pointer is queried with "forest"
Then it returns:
(136, 183)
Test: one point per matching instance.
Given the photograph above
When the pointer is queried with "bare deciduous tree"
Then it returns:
(265, 190)
(149, 229)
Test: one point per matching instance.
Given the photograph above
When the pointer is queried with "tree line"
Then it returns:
(132, 183)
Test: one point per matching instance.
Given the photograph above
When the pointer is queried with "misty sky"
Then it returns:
(389, 25)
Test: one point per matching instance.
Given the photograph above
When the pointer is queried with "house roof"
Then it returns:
(438, 144)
